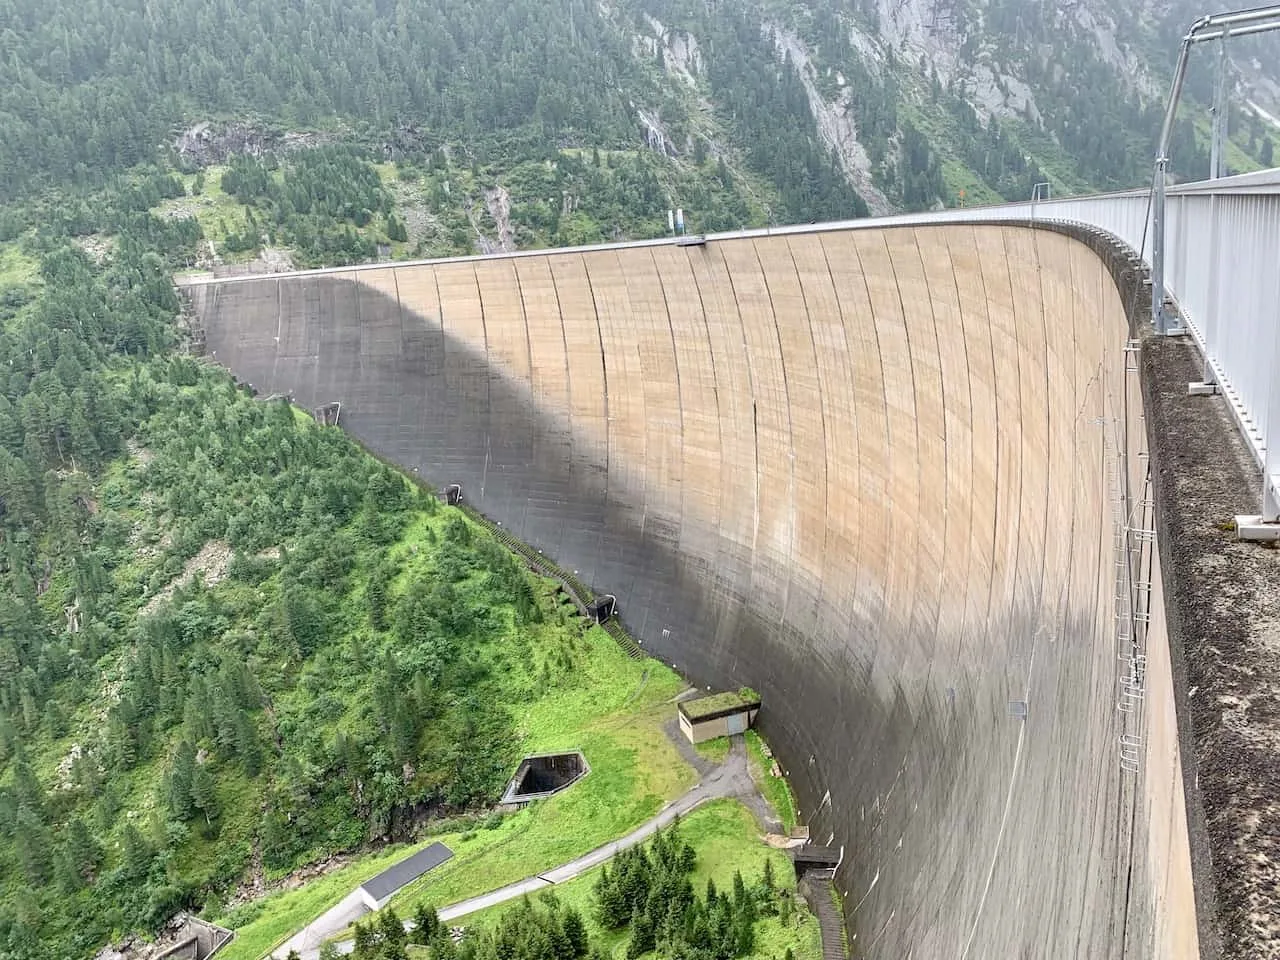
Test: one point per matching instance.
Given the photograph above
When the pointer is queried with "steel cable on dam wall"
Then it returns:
(871, 473)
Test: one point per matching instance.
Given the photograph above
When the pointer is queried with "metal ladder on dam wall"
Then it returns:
(539, 563)
(1134, 510)
(1135, 559)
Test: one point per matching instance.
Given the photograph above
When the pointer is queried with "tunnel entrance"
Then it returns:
(543, 775)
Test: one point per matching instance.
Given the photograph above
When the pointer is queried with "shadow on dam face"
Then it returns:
(873, 474)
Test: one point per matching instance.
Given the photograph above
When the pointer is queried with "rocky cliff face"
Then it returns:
(1138, 42)
(926, 101)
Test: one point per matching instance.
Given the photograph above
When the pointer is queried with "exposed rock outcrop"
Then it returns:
(206, 143)
(498, 203)
(835, 122)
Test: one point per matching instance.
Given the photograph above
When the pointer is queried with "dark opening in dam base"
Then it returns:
(541, 776)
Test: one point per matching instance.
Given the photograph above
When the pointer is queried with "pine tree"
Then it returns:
(82, 849)
(65, 875)
(642, 934)
(225, 713)
(277, 838)
(404, 733)
(423, 700)
(248, 749)
(27, 787)
(365, 942)
(180, 778)
(611, 904)
(84, 446)
(576, 932)
(376, 596)
(425, 923)
(744, 936)
(390, 926)
(33, 846)
(744, 907)
(559, 945)
(203, 794)
(372, 528)
(136, 855)
(304, 620)
(196, 710)
(122, 741)
(739, 890)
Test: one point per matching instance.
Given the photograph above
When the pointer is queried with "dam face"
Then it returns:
(871, 473)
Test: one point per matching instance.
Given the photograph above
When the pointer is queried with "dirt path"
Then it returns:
(308, 940)
(729, 779)
(686, 749)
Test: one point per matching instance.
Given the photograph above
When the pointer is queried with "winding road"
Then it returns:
(728, 779)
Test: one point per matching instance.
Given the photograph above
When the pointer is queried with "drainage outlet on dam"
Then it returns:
(543, 775)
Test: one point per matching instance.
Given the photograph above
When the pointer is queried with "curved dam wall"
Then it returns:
(872, 473)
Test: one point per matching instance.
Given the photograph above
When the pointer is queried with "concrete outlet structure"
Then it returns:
(195, 939)
(880, 474)
(543, 775)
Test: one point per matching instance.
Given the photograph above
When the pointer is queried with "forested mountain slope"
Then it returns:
(229, 639)
(912, 100)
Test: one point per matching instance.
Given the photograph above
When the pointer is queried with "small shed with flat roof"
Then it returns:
(719, 715)
(377, 890)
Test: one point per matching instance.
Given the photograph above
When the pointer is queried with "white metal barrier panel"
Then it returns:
(1222, 269)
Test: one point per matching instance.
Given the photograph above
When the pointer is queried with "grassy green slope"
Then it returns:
(612, 708)
(573, 196)
(774, 788)
(726, 840)
(16, 268)
(634, 771)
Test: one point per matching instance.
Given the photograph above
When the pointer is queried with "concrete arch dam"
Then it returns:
(874, 473)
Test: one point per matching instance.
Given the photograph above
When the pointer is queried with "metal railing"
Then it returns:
(1214, 26)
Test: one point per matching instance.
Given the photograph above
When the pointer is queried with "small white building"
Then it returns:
(376, 891)
(719, 715)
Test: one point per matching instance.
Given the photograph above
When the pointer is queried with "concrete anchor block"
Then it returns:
(1201, 388)
(1253, 527)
